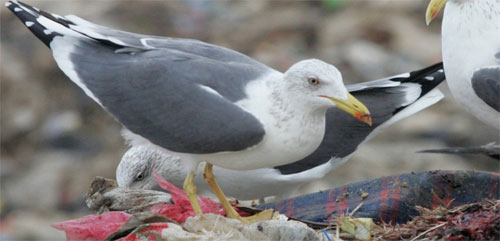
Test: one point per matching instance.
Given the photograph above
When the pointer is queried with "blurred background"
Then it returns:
(54, 139)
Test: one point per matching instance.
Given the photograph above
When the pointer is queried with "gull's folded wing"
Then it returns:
(177, 93)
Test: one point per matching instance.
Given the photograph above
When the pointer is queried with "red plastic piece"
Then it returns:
(92, 227)
(181, 208)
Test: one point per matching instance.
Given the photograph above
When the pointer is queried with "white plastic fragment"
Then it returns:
(216, 227)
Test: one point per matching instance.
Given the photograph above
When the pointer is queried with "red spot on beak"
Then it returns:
(364, 118)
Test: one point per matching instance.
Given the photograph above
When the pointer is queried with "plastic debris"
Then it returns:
(139, 220)
(92, 227)
(174, 220)
(214, 227)
(181, 208)
(359, 228)
(149, 231)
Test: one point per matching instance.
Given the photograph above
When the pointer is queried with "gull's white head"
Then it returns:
(319, 85)
(136, 167)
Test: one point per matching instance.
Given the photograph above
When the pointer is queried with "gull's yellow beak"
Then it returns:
(354, 107)
(433, 9)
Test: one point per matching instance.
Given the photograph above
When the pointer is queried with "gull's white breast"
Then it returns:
(470, 39)
(291, 133)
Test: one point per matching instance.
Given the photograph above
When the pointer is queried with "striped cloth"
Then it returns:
(393, 198)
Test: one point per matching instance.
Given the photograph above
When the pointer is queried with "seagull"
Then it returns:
(200, 101)
(471, 57)
(471, 54)
(389, 99)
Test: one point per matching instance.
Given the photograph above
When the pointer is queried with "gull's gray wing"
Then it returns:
(179, 94)
(385, 98)
(486, 84)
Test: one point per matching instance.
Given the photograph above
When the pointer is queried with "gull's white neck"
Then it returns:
(293, 131)
(301, 122)
(471, 27)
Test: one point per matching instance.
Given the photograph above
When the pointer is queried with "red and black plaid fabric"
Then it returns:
(393, 198)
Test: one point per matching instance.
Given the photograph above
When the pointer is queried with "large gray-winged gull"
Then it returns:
(471, 57)
(202, 102)
(389, 100)
(471, 54)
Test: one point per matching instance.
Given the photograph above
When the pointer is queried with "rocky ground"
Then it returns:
(54, 139)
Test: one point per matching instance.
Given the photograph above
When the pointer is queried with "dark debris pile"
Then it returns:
(475, 221)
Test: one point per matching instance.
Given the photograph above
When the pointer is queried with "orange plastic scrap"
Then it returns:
(92, 227)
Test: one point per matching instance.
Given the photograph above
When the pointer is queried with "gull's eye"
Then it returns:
(139, 177)
(313, 81)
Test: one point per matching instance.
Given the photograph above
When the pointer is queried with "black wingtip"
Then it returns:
(29, 16)
(428, 78)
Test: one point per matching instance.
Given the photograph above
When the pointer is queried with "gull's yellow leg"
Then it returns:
(190, 190)
(209, 177)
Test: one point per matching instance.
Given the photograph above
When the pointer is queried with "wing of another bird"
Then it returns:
(486, 85)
